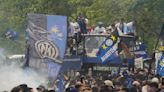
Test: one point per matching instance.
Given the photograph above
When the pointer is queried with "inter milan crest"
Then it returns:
(109, 42)
(46, 49)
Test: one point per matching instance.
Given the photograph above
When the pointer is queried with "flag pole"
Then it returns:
(157, 42)
(160, 34)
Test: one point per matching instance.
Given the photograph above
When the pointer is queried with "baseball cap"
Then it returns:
(109, 83)
(156, 80)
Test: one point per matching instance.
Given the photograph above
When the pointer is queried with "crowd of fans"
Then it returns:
(138, 81)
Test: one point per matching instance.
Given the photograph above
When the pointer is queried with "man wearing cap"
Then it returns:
(108, 86)
(109, 83)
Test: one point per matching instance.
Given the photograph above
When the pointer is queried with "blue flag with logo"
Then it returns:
(108, 49)
(47, 37)
(160, 65)
(57, 27)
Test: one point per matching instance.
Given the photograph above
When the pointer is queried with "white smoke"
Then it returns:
(12, 74)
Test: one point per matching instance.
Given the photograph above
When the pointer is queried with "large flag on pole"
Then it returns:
(108, 49)
(47, 42)
(160, 65)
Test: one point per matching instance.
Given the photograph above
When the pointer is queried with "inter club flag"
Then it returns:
(108, 49)
(160, 65)
(47, 42)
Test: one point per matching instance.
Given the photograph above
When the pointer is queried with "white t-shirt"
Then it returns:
(119, 29)
(99, 30)
(71, 29)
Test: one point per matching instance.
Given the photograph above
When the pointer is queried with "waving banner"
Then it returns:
(47, 42)
(108, 49)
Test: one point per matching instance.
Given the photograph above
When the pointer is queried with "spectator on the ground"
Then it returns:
(80, 87)
(109, 85)
(145, 86)
(69, 89)
(74, 90)
(31, 89)
(162, 87)
(155, 80)
(24, 87)
(95, 89)
(41, 88)
(87, 89)
(105, 89)
(17, 89)
(51, 90)
(124, 90)
(136, 86)
(99, 29)
(153, 87)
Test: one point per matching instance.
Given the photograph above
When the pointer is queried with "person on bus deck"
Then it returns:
(121, 27)
(81, 20)
(110, 29)
(99, 29)
(131, 27)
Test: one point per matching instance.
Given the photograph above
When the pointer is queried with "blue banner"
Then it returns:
(57, 27)
(108, 49)
(160, 65)
(53, 70)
